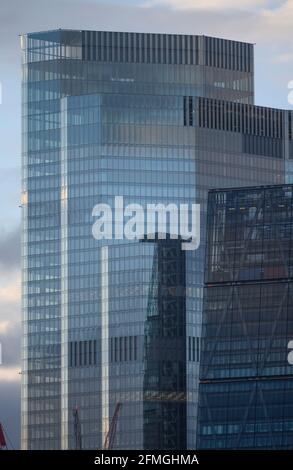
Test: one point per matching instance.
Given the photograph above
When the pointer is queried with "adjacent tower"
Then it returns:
(246, 381)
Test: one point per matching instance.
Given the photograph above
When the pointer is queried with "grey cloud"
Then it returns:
(10, 249)
(16, 17)
(10, 307)
(10, 342)
(9, 177)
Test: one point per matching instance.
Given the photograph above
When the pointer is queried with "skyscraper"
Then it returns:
(157, 119)
(246, 380)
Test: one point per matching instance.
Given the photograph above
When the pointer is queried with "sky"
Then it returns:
(267, 23)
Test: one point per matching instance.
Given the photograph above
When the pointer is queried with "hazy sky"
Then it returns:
(268, 23)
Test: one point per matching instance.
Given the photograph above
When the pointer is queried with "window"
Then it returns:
(82, 353)
(123, 349)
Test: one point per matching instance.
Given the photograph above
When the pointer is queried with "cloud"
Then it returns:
(10, 340)
(9, 177)
(10, 330)
(284, 58)
(10, 282)
(10, 410)
(9, 374)
(4, 326)
(10, 343)
(10, 311)
(10, 292)
(10, 248)
(210, 4)
(277, 23)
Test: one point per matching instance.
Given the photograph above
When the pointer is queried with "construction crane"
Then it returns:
(3, 444)
(77, 429)
(110, 437)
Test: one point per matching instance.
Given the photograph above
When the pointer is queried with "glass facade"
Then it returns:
(246, 382)
(155, 119)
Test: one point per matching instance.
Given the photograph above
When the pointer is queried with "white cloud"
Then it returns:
(10, 342)
(4, 326)
(9, 319)
(210, 4)
(284, 58)
(9, 374)
(277, 23)
(10, 291)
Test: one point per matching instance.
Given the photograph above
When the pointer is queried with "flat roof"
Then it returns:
(135, 32)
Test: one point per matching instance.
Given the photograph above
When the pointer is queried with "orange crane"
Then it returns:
(77, 429)
(3, 444)
(110, 437)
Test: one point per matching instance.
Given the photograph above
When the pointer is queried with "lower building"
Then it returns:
(246, 380)
(164, 400)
